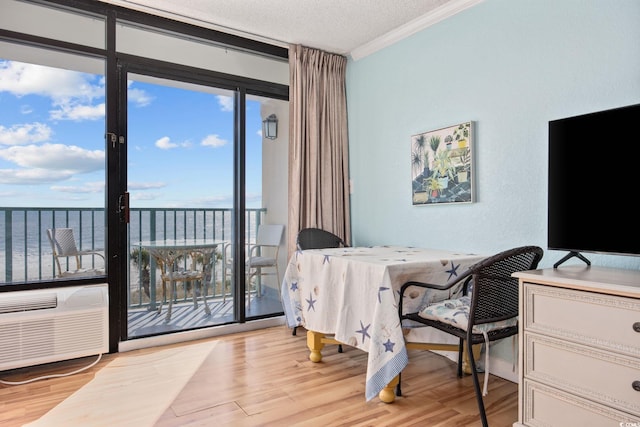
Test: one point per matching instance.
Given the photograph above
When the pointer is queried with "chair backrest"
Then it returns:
(62, 241)
(316, 238)
(494, 295)
(269, 234)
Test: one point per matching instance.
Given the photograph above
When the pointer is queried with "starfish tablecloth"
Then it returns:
(353, 294)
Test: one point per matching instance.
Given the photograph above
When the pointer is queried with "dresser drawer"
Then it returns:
(596, 375)
(549, 407)
(589, 318)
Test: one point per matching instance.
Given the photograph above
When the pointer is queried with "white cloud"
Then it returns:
(78, 112)
(165, 143)
(90, 187)
(26, 133)
(32, 176)
(145, 185)
(225, 102)
(72, 95)
(253, 197)
(23, 79)
(145, 196)
(226, 200)
(138, 97)
(213, 141)
(69, 159)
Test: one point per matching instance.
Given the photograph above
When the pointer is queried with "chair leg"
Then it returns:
(164, 296)
(476, 386)
(294, 330)
(339, 348)
(460, 354)
(257, 274)
(398, 390)
(172, 292)
(223, 287)
(193, 292)
(204, 289)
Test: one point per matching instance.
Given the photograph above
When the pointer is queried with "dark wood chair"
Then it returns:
(486, 310)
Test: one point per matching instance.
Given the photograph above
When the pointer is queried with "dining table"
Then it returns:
(170, 251)
(350, 295)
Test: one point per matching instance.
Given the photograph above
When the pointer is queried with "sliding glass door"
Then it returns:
(180, 174)
(184, 153)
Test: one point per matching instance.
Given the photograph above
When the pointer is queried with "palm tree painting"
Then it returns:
(444, 155)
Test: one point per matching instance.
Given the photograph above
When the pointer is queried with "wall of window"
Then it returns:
(91, 38)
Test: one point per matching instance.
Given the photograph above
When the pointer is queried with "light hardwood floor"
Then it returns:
(264, 378)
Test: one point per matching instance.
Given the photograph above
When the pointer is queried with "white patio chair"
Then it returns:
(261, 255)
(63, 244)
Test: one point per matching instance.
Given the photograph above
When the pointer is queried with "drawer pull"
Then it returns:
(636, 385)
(636, 326)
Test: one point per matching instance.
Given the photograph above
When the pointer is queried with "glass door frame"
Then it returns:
(158, 69)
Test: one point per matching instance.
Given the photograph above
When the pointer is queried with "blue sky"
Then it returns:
(180, 142)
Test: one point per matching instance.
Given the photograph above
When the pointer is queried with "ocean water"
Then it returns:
(26, 254)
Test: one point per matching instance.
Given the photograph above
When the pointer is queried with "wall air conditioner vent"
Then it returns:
(28, 302)
(43, 326)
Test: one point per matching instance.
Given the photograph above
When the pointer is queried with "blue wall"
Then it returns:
(509, 66)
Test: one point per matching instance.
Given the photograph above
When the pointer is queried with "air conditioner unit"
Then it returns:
(49, 325)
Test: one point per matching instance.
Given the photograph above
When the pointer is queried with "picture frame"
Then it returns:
(442, 165)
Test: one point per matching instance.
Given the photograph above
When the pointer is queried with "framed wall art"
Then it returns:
(442, 165)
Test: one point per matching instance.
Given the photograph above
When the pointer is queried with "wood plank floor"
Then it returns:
(264, 378)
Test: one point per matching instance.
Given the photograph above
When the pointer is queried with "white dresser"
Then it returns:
(579, 343)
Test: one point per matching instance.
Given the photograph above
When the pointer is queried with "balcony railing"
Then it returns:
(26, 254)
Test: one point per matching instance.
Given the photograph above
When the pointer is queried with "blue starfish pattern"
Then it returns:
(364, 331)
(326, 259)
(388, 346)
(311, 302)
(294, 286)
(380, 289)
(453, 271)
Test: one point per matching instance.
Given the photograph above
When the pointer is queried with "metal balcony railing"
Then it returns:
(26, 255)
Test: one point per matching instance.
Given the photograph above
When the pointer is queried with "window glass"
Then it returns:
(52, 169)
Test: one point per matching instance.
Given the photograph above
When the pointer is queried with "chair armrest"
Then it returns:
(98, 252)
(253, 248)
(225, 248)
(466, 277)
(441, 287)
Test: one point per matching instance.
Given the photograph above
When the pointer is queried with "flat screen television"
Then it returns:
(594, 183)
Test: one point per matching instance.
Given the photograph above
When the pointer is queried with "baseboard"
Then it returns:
(185, 336)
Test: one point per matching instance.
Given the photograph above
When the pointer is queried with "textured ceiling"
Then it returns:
(338, 26)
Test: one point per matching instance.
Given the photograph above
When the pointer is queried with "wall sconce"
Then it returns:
(270, 127)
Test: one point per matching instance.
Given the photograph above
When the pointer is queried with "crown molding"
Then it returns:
(443, 12)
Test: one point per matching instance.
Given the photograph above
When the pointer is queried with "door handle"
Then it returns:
(123, 207)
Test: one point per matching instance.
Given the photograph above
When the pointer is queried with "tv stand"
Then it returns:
(553, 306)
(571, 255)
